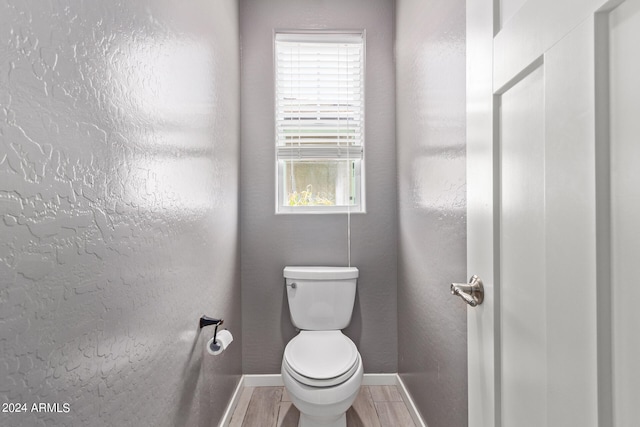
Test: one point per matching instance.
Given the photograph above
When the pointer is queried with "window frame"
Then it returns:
(359, 162)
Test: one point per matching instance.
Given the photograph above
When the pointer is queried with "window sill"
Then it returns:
(315, 210)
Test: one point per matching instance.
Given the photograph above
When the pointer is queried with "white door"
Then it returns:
(553, 147)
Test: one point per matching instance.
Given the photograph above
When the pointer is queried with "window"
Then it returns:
(319, 122)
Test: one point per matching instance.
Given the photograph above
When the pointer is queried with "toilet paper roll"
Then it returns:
(223, 339)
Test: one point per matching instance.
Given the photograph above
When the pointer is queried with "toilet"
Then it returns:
(321, 367)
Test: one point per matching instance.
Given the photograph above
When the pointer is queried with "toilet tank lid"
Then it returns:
(320, 273)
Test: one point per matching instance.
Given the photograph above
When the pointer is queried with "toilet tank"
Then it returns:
(321, 298)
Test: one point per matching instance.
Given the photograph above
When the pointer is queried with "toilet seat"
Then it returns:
(321, 358)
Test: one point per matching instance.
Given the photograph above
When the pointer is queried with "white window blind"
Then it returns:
(319, 96)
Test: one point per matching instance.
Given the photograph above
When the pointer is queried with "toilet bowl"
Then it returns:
(322, 370)
(321, 367)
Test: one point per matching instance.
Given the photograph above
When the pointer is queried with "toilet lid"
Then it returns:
(321, 355)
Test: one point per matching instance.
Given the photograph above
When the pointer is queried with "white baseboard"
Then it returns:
(228, 413)
(380, 379)
(275, 380)
(270, 380)
(411, 406)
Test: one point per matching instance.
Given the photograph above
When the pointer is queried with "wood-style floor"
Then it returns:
(375, 406)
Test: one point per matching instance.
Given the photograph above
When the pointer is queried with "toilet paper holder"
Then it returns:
(208, 321)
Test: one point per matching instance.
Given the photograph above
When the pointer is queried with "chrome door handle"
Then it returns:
(472, 293)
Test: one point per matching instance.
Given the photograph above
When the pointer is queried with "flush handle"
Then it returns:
(472, 293)
(293, 285)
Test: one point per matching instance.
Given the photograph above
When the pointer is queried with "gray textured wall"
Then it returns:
(119, 154)
(268, 241)
(430, 56)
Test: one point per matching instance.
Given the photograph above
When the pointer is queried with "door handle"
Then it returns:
(472, 293)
